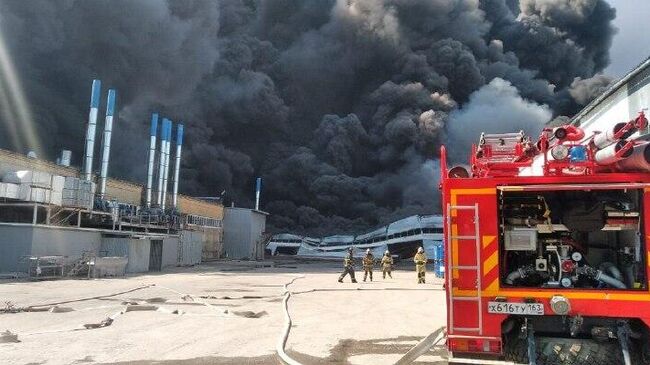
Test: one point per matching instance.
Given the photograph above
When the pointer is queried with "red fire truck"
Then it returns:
(547, 255)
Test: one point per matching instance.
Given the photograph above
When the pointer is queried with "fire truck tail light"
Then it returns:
(475, 345)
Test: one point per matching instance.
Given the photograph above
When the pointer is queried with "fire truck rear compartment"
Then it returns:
(572, 239)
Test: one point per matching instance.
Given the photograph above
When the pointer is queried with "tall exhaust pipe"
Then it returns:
(161, 162)
(258, 188)
(177, 166)
(166, 168)
(90, 131)
(152, 157)
(108, 131)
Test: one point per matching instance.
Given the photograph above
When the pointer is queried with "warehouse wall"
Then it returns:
(170, 252)
(189, 205)
(212, 245)
(192, 246)
(11, 161)
(242, 235)
(137, 251)
(258, 226)
(124, 192)
(15, 241)
(52, 240)
(27, 240)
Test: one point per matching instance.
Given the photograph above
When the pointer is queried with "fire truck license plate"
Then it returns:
(529, 309)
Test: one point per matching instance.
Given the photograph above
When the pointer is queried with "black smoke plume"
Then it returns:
(339, 105)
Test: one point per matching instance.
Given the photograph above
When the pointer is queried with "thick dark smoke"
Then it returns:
(339, 105)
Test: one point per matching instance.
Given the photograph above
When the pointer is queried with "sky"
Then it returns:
(631, 44)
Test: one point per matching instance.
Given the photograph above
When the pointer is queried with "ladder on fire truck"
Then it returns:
(475, 266)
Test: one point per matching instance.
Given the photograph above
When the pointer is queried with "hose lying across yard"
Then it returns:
(35, 307)
(421, 348)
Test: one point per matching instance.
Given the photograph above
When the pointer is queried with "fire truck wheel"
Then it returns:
(568, 351)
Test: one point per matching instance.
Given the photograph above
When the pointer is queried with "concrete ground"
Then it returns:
(221, 313)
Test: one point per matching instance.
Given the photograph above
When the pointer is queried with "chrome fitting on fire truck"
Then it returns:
(560, 305)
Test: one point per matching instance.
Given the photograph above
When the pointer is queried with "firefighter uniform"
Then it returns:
(368, 263)
(348, 267)
(420, 260)
(387, 265)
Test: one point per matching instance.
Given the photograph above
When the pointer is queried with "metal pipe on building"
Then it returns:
(161, 162)
(177, 166)
(90, 132)
(166, 165)
(108, 131)
(258, 189)
(152, 157)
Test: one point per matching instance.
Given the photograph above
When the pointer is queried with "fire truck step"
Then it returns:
(464, 267)
(466, 329)
(467, 299)
(464, 238)
(462, 207)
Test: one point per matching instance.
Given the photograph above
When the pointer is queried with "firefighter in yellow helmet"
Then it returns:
(348, 267)
(420, 260)
(368, 263)
(387, 264)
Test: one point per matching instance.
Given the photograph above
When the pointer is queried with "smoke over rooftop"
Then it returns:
(340, 106)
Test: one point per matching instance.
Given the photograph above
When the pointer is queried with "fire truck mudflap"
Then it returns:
(546, 243)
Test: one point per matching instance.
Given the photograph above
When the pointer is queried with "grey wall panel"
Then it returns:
(237, 233)
(15, 241)
(114, 246)
(136, 250)
(192, 247)
(138, 255)
(170, 252)
(50, 240)
(243, 230)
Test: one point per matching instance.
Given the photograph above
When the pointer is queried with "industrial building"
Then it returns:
(244, 237)
(59, 220)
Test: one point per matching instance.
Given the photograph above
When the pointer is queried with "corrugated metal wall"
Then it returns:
(243, 233)
(15, 242)
(170, 252)
(51, 240)
(137, 251)
(124, 192)
(192, 242)
(212, 243)
(189, 205)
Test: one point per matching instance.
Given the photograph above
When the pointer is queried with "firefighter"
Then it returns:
(348, 267)
(420, 260)
(387, 264)
(368, 263)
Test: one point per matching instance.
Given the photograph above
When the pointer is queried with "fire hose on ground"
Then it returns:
(421, 348)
